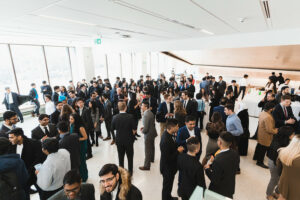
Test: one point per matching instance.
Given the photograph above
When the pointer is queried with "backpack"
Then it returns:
(9, 187)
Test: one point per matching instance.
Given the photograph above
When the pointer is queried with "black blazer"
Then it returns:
(169, 153)
(37, 133)
(15, 99)
(222, 87)
(82, 95)
(107, 111)
(235, 93)
(71, 143)
(192, 175)
(55, 97)
(222, 173)
(54, 117)
(279, 116)
(32, 93)
(124, 124)
(4, 131)
(153, 104)
(191, 89)
(46, 90)
(133, 194)
(191, 107)
(87, 119)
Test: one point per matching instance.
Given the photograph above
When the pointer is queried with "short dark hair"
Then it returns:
(72, 177)
(44, 82)
(233, 81)
(71, 91)
(56, 87)
(51, 145)
(226, 137)
(42, 116)
(8, 114)
(63, 126)
(79, 99)
(190, 118)
(17, 132)
(285, 97)
(223, 101)
(246, 76)
(268, 106)
(229, 106)
(58, 102)
(105, 96)
(146, 104)
(48, 96)
(198, 95)
(191, 144)
(106, 169)
(32, 84)
(171, 123)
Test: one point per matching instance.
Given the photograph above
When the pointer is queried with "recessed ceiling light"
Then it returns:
(67, 20)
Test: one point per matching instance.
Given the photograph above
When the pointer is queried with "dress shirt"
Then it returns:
(122, 112)
(53, 170)
(114, 193)
(224, 150)
(10, 98)
(201, 105)
(191, 132)
(9, 127)
(234, 125)
(244, 82)
(43, 128)
(80, 111)
(168, 107)
(62, 135)
(49, 108)
(19, 149)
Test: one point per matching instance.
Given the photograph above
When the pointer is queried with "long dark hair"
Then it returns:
(94, 106)
(133, 98)
(77, 122)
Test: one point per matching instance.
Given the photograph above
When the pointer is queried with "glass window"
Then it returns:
(114, 66)
(154, 65)
(100, 64)
(58, 65)
(30, 67)
(7, 74)
(126, 66)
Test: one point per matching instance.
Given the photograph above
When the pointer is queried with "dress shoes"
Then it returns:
(262, 165)
(112, 142)
(144, 168)
(89, 156)
(105, 139)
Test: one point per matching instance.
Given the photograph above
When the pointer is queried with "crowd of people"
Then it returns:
(54, 158)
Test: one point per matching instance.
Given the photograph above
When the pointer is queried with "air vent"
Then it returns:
(266, 9)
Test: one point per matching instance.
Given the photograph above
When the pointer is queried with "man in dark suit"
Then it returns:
(70, 142)
(283, 113)
(220, 109)
(125, 127)
(46, 89)
(107, 114)
(222, 170)
(72, 97)
(55, 94)
(150, 133)
(234, 89)
(30, 152)
(11, 101)
(189, 105)
(10, 120)
(165, 111)
(190, 87)
(192, 174)
(35, 100)
(221, 86)
(189, 130)
(44, 130)
(168, 159)
(83, 92)
(54, 117)
(152, 102)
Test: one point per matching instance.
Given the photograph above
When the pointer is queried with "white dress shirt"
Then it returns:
(19, 149)
(244, 82)
(191, 132)
(114, 193)
(10, 98)
(53, 170)
(49, 108)
(43, 128)
(168, 107)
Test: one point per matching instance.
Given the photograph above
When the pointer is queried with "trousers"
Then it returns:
(128, 150)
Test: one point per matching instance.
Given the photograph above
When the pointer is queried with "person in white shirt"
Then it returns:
(51, 173)
(49, 106)
(285, 84)
(243, 85)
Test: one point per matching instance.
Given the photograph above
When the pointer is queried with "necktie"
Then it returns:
(46, 131)
(285, 113)
(184, 104)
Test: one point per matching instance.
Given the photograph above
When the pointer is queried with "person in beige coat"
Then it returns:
(266, 130)
(289, 158)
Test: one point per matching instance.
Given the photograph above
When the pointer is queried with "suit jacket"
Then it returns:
(46, 89)
(55, 97)
(191, 107)
(87, 119)
(54, 117)
(4, 131)
(153, 104)
(183, 134)
(82, 94)
(37, 133)
(192, 175)
(163, 110)
(71, 143)
(266, 129)
(222, 87)
(15, 97)
(87, 192)
(124, 125)
(279, 116)
(149, 125)
(235, 92)
(222, 173)
(191, 89)
(32, 93)
(220, 109)
(169, 153)
(107, 111)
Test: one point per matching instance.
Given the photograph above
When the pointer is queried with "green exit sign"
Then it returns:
(97, 41)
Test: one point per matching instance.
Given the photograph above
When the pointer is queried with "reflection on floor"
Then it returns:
(250, 184)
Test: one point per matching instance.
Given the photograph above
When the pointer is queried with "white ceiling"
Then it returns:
(143, 20)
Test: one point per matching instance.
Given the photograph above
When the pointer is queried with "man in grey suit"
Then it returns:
(150, 133)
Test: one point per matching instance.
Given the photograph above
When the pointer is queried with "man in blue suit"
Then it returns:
(189, 130)
(11, 102)
(165, 111)
(220, 109)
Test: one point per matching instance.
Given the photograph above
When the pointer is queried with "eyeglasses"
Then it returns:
(107, 180)
(71, 190)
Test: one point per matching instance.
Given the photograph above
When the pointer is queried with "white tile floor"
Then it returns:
(250, 184)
